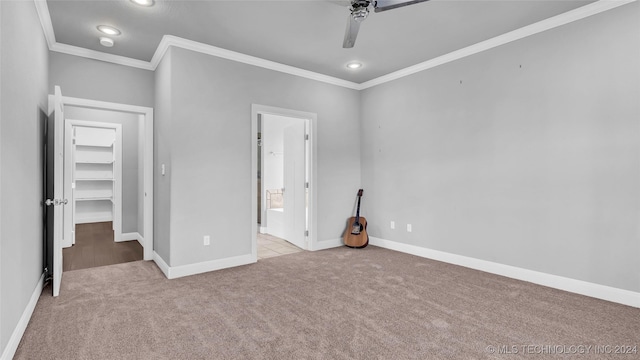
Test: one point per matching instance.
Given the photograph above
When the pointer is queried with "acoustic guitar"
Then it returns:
(356, 234)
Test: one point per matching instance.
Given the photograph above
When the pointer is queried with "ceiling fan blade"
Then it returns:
(384, 5)
(351, 33)
(343, 3)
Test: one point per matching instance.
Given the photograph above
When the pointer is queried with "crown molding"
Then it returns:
(170, 40)
(535, 28)
(98, 55)
(47, 26)
(45, 20)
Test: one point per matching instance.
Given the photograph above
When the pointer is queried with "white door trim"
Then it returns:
(70, 220)
(313, 119)
(146, 114)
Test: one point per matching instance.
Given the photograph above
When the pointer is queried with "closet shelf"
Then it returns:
(94, 199)
(94, 173)
(109, 162)
(94, 179)
(95, 145)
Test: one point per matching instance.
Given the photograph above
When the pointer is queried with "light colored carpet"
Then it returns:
(340, 303)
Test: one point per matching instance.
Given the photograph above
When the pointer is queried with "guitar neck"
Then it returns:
(358, 210)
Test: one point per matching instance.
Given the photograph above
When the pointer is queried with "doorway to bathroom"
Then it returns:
(283, 170)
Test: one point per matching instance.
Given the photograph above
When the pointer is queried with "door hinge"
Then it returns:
(306, 185)
(306, 136)
(306, 233)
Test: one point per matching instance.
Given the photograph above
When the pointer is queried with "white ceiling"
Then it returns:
(306, 34)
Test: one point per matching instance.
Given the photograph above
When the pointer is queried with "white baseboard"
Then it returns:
(16, 336)
(173, 272)
(161, 264)
(598, 291)
(263, 229)
(131, 236)
(93, 219)
(326, 244)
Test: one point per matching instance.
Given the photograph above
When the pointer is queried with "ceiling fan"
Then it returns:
(359, 11)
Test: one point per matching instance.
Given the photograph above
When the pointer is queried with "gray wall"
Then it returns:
(162, 155)
(23, 95)
(525, 155)
(130, 195)
(209, 119)
(97, 80)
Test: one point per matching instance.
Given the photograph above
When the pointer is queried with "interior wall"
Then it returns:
(162, 157)
(130, 140)
(210, 127)
(526, 154)
(23, 95)
(98, 80)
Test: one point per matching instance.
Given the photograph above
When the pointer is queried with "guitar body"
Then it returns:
(356, 234)
(359, 240)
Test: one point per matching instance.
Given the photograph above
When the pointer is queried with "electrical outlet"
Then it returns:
(393, 225)
(408, 227)
(207, 240)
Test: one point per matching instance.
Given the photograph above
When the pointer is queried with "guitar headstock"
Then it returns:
(360, 192)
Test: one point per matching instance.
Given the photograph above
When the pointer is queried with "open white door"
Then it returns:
(294, 184)
(68, 226)
(55, 176)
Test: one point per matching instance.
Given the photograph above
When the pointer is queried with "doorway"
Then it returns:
(283, 173)
(103, 199)
(140, 119)
(60, 200)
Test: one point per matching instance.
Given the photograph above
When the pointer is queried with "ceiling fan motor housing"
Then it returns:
(360, 9)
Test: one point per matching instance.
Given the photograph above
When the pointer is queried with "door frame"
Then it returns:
(145, 114)
(69, 163)
(256, 111)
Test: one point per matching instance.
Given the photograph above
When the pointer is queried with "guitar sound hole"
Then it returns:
(357, 229)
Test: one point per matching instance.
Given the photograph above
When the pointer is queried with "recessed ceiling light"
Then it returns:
(143, 2)
(354, 65)
(104, 41)
(109, 30)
